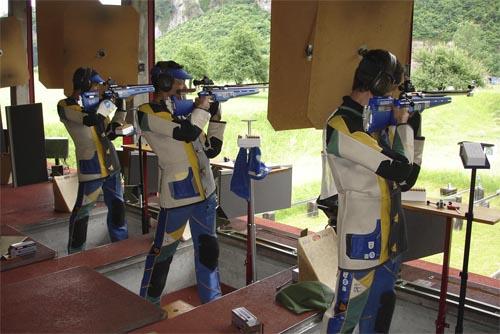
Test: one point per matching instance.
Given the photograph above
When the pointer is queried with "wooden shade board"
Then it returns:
(50, 33)
(292, 28)
(112, 30)
(13, 60)
(302, 92)
(317, 257)
(342, 27)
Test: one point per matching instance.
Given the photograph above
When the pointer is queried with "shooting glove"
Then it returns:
(111, 130)
(214, 110)
(92, 119)
(415, 121)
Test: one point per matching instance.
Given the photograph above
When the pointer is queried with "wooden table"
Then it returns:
(77, 300)
(258, 298)
(482, 215)
(42, 252)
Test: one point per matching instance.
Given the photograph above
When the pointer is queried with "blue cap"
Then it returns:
(179, 74)
(96, 78)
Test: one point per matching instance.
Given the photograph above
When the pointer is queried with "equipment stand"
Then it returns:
(473, 157)
(251, 274)
(465, 267)
(143, 200)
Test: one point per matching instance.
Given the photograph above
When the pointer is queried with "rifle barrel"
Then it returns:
(446, 92)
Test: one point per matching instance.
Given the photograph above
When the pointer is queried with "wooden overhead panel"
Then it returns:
(105, 38)
(302, 92)
(50, 33)
(13, 59)
(292, 29)
(342, 27)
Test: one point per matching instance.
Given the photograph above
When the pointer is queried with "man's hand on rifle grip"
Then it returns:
(215, 111)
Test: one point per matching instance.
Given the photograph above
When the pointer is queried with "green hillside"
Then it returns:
(470, 24)
(211, 31)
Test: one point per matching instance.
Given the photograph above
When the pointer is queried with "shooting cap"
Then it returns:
(84, 77)
(96, 78)
(179, 73)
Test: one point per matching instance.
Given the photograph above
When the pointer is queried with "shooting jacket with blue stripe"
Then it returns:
(95, 154)
(370, 171)
(183, 151)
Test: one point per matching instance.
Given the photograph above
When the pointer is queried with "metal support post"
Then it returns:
(464, 273)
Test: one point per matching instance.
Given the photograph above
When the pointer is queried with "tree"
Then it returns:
(441, 21)
(471, 38)
(241, 58)
(211, 30)
(194, 58)
(443, 66)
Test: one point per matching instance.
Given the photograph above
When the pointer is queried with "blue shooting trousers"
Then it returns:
(171, 225)
(88, 192)
(366, 297)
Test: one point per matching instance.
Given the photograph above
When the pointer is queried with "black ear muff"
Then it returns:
(165, 82)
(161, 80)
(82, 79)
(384, 80)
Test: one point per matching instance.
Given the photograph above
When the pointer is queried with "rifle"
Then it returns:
(378, 114)
(114, 95)
(91, 99)
(216, 93)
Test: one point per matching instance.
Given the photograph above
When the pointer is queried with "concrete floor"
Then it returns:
(410, 317)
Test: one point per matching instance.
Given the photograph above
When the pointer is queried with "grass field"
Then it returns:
(474, 118)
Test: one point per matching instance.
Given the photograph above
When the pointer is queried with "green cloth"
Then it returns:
(306, 296)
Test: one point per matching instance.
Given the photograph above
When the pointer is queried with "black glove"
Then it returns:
(415, 121)
(111, 130)
(92, 119)
(214, 108)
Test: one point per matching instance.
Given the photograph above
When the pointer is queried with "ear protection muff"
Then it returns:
(161, 79)
(165, 81)
(384, 80)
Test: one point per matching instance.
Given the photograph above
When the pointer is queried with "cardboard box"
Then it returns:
(65, 191)
(177, 308)
(317, 257)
